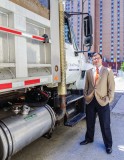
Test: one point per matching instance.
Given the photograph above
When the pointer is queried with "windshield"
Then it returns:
(69, 34)
(73, 38)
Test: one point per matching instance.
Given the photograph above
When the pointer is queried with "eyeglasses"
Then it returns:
(97, 58)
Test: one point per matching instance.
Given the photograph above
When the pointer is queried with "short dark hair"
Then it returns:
(98, 54)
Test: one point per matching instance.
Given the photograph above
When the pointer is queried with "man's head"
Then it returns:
(97, 59)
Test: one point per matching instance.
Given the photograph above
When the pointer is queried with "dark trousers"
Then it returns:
(104, 118)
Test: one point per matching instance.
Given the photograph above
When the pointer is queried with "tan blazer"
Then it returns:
(104, 89)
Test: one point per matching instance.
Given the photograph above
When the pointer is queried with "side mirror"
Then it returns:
(88, 26)
(88, 40)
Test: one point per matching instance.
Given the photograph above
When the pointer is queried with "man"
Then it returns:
(98, 93)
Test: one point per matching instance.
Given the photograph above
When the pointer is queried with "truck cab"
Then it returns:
(76, 61)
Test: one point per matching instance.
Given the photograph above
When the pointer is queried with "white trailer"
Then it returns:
(41, 76)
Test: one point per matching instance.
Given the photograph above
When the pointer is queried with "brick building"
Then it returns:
(108, 26)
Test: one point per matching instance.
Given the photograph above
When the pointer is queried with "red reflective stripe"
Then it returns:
(5, 86)
(34, 81)
(38, 38)
(10, 30)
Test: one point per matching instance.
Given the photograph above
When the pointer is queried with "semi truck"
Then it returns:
(42, 72)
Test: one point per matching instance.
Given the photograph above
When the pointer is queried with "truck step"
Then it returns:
(73, 98)
(75, 119)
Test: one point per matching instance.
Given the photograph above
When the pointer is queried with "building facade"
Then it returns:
(108, 26)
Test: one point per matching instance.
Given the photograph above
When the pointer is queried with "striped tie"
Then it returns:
(97, 75)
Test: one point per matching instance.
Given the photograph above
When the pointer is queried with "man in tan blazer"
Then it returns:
(98, 93)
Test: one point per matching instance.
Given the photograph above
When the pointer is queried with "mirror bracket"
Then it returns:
(76, 52)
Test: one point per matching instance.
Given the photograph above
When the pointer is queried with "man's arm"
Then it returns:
(111, 85)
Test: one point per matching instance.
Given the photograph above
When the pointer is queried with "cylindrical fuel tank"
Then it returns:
(18, 131)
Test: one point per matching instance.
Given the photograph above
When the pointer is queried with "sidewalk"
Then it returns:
(96, 150)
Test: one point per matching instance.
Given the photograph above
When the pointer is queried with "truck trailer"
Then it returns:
(42, 72)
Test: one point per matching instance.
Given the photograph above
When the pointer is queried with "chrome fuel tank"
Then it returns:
(18, 131)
